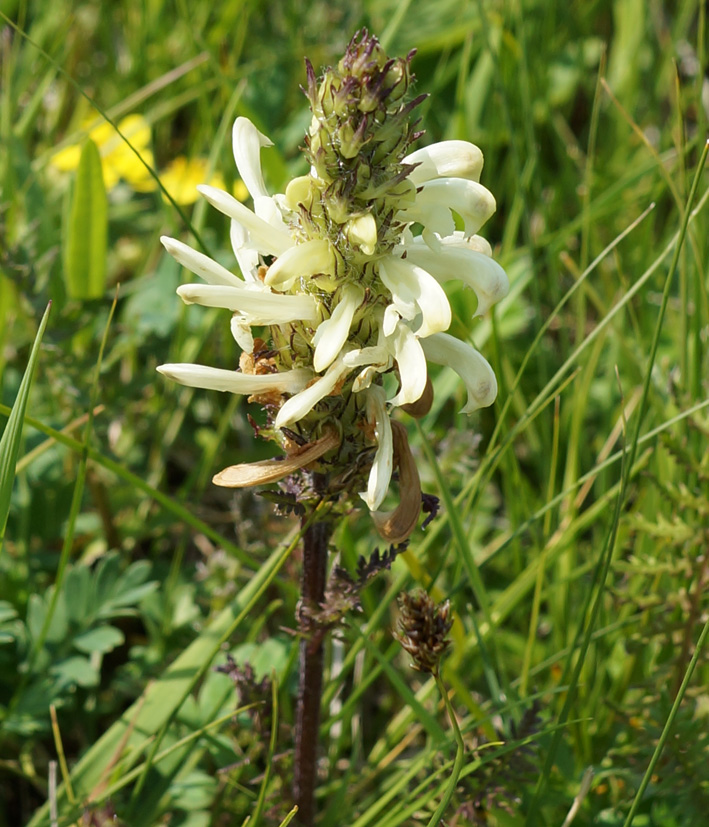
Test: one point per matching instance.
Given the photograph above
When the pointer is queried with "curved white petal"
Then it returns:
(262, 235)
(446, 159)
(332, 333)
(435, 200)
(259, 304)
(218, 379)
(476, 270)
(246, 256)
(377, 355)
(247, 142)
(362, 231)
(455, 239)
(408, 282)
(266, 208)
(199, 264)
(302, 403)
(241, 331)
(390, 320)
(364, 378)
(473, 242)
(472, 368)
(303, 260)
(410, 359)
(380, 475)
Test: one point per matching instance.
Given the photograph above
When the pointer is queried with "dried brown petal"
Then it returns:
(397, 525)
(249, 474)
(422, 405)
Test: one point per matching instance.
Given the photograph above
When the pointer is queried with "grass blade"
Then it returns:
(12, 435)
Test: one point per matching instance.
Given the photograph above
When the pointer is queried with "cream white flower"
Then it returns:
(217, 379)
(447, 159)
(460, 258)
(302, 403)
(348, 295)
(331, 335)
(414, 292)
(379, 476)
(472, 368)
(258, 307)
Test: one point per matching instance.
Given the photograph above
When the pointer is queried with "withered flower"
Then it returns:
(424, 628)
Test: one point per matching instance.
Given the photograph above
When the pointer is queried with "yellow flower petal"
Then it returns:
(182, 176)
(118, 160)
(67, 159)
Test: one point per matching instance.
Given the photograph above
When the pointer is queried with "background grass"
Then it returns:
(572, 545)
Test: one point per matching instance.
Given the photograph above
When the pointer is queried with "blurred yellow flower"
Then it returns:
(182, 176)
(117, 159)
(240, 190)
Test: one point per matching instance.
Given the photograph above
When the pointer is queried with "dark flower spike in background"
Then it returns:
(423, 630)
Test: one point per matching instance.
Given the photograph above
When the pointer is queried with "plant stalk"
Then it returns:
(315, 545)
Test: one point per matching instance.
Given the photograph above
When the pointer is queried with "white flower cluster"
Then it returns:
(410, 322)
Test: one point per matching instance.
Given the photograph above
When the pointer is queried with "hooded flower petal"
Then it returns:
(241, 331)
(476, 270)
(218, 379)
(199, 264)
(362, 232)
(377, 355)
(380, 475)
(436, 199)
(392, 317)
(332, 334)
(473, 242)
(410, 359)
(472, 368)
(447, 159)
(364, 378)
(247, 142)
(246, 256)
(409, 283)
(302, 403)
(257, 304)
(307, 259)
(264, 236)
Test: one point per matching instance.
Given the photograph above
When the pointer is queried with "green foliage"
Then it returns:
(55, 665)
(118, 597)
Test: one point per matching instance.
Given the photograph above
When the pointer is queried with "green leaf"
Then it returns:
(75, 670)
(195, 792)
(86, 232)
(78, 593)
(101, 639)
(10, 442)
(7, 611)
(162, 698)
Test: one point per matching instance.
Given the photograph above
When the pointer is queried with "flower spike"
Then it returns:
(339, 306)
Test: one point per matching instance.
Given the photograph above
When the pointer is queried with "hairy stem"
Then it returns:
(315, 543)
